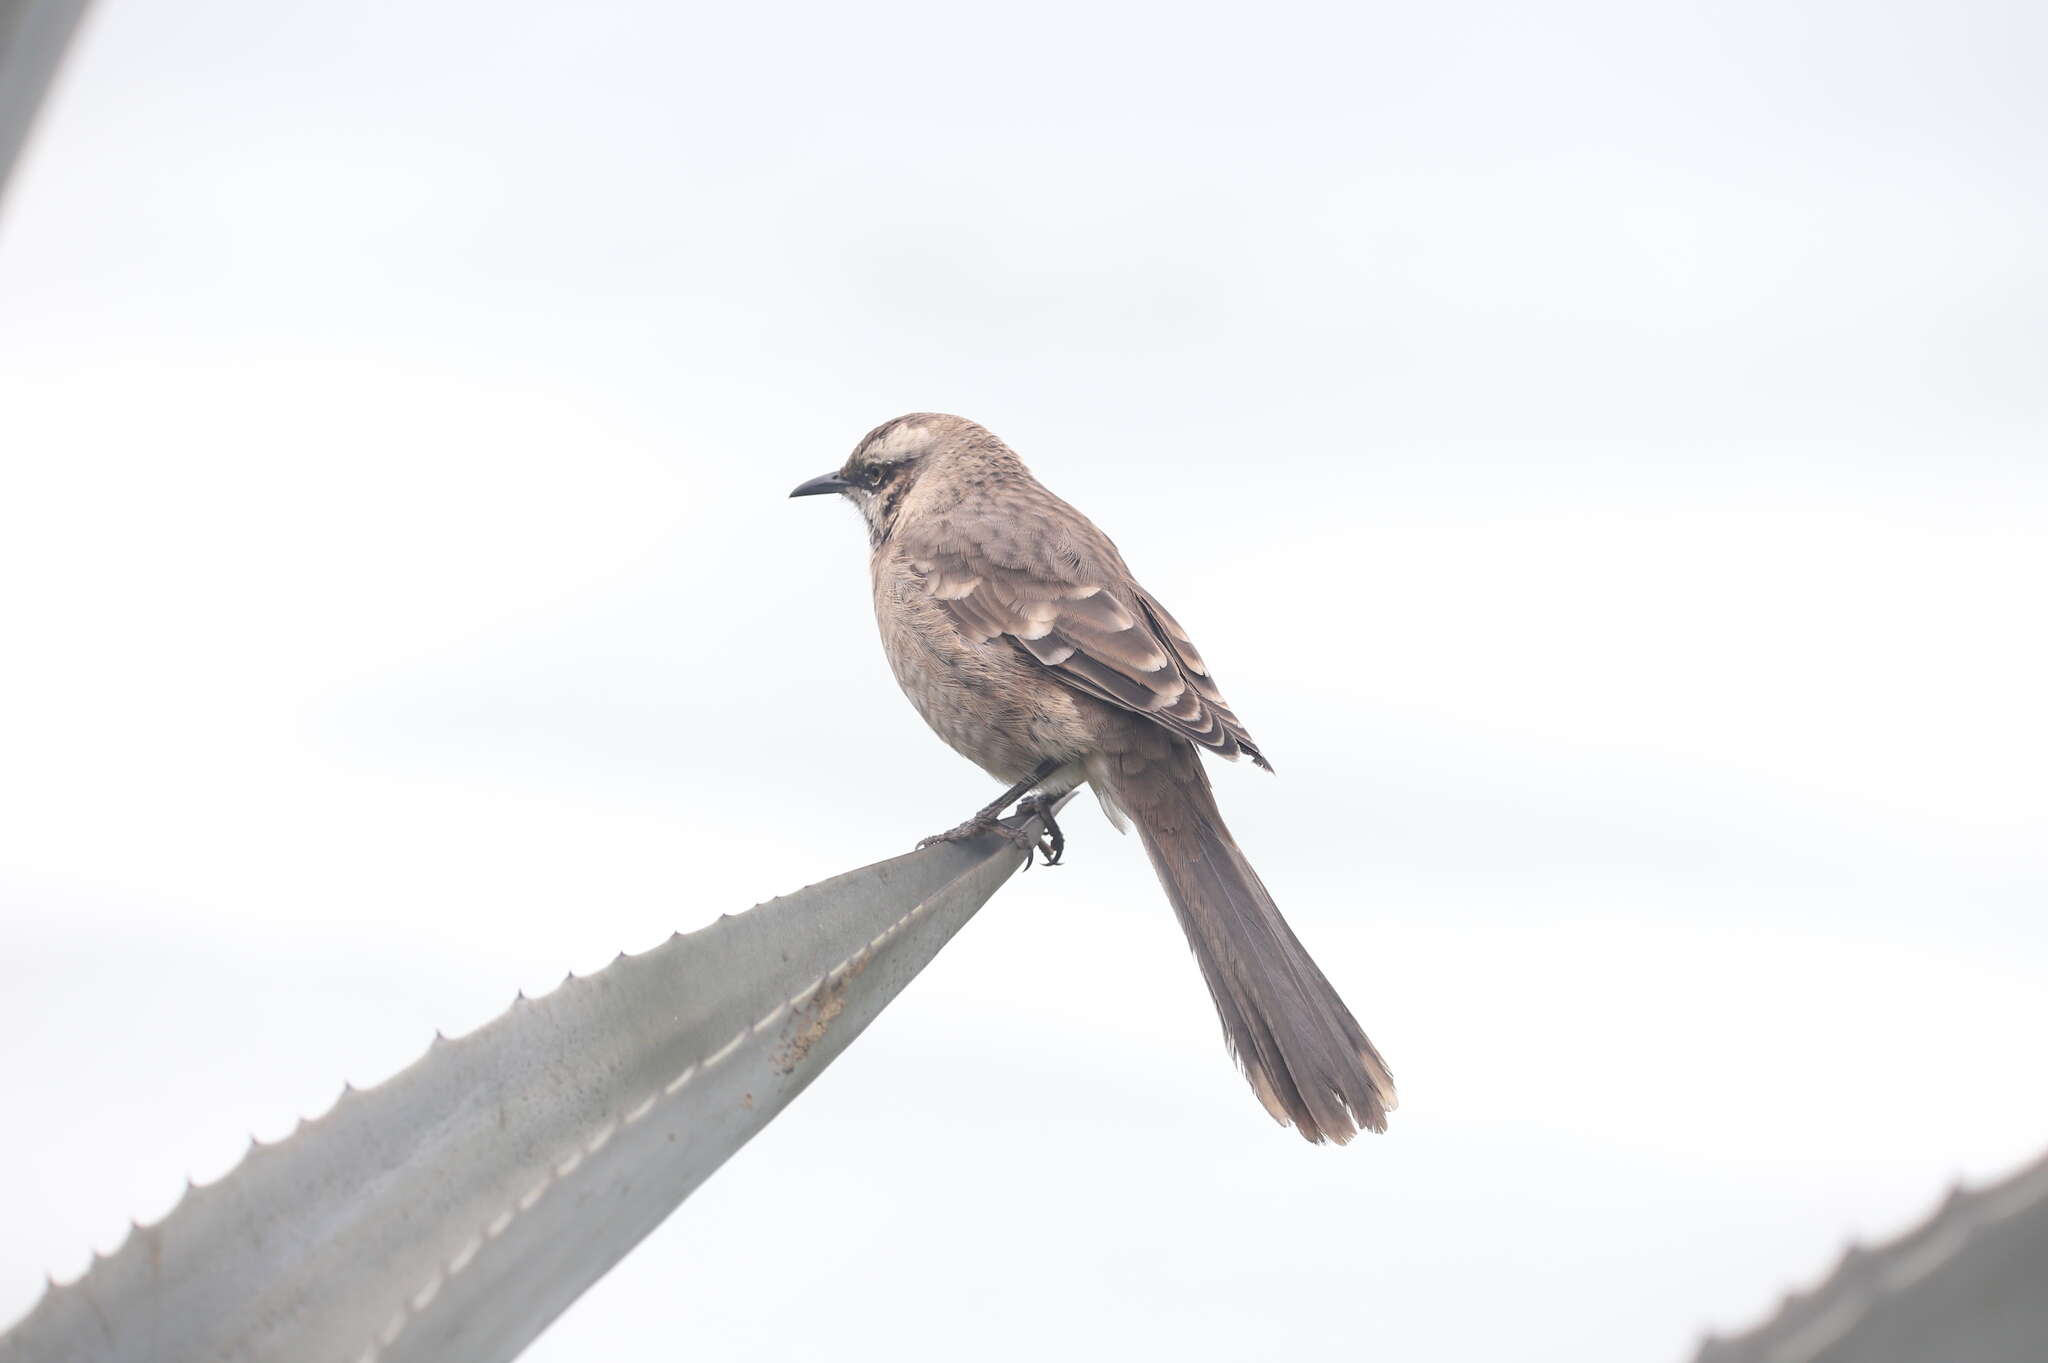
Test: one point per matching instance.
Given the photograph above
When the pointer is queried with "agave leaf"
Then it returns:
(451, 1212)
(1967, 1285)
(33, 36)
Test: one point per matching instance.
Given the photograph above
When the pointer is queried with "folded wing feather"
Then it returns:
(1118, 645)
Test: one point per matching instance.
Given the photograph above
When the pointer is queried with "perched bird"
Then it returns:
(1014, 627)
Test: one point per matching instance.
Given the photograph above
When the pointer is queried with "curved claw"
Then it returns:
(1053, 844)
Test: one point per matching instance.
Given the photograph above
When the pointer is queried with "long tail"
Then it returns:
(1305, 1055)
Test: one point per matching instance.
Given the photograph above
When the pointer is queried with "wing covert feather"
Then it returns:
(1064, 608)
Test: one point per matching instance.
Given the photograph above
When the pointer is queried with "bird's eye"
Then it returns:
(874, 474)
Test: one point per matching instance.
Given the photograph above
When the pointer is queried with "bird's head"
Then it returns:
(900, 455)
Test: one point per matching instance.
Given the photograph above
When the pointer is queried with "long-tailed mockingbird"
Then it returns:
(1018, 633)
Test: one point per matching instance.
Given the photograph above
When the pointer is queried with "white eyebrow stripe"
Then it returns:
(904, 440)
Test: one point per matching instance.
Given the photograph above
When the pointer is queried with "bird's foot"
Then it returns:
(979, 826)
(1053, 845)
(1050, 844)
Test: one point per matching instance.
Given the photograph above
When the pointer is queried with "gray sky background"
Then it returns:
(1599, 445)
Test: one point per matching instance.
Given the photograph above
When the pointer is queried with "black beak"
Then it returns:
(824, 482)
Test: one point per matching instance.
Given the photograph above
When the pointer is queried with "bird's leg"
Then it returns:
(986, 818)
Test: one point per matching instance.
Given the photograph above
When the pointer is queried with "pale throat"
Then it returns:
(878, 510)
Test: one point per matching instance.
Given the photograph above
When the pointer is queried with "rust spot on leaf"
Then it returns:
(807, 1025)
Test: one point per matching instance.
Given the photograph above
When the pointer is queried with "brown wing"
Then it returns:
(1076, 612)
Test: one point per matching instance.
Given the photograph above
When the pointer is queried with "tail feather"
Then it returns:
(1307, 1059)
